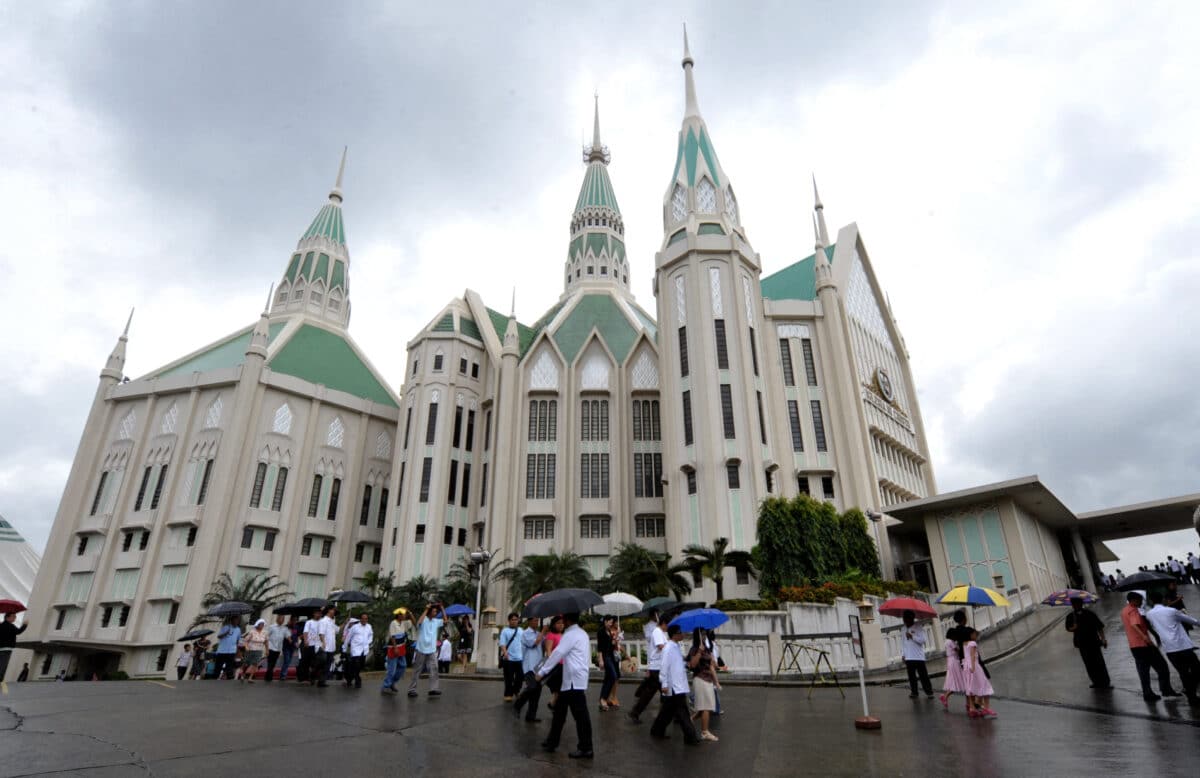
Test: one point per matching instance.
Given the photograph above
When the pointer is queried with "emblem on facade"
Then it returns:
(884, 384)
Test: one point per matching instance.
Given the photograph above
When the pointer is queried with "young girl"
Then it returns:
(978, 687)
(955, 674)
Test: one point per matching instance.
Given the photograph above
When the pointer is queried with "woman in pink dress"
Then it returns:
(955, 675)
(978, 687)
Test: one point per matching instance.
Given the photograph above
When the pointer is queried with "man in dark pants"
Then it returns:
(674, 682)
(912, 641)
(1088, 630)
(512, 654)
(1171, 625)
(1145, 654)
(575, 652)
(656, 640)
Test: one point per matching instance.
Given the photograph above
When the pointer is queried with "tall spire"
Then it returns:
(819, 211)
(597, 152)
(692, 109)
(597, 250)
(261, 336)
(335, 194)
(821, 267)
(114, 367)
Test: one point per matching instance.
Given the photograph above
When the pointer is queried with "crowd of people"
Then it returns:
(1183, 570)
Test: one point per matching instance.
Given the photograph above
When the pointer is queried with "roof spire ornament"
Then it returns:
(819, 213)
(597, 152)
(335, 194)
(692, 109)
(114, 368)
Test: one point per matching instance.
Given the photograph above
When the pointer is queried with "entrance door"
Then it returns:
(922, 573)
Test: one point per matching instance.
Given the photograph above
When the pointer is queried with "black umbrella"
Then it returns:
(303, 607)
(350, 597)
(1146, 580)
(231, 608)
(671, 611)
(195, 634)
(655, 603)
(561, 601)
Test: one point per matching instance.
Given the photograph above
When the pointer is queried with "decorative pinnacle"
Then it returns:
(693, 109)
(270, 294)
(336, 193)
(816, 194)
(125, 333)
(687, 53)
(597, 152)
(819, 214)
(819, 244)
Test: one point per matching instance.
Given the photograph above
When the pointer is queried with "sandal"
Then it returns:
(603, 706)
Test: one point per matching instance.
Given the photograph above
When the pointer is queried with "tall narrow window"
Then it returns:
(530, 475)
(364, 515)
(99, 493)
(658, 475)
(794, 423)
(381, 516)
(687, 418)
(326, 548)
(802, 484)
(785, 358)
(269, 542)
(452, 484)
(419, 534)
(762, 419)
(470, 442)
(733, 476)
(158, 487)
(683, 352)
(437, 362)
(260, 477)
(691, 482)
(203, 493)
(639, 489)
(637, 420)
(280, 486)
(483, 486)
(753, 351)
(448, 535)
(407, 425)
(727, 411)
(462, 365)
(358, 552)
(770, 479)
(400, 484)
(247, 537)
(810, 366)
(487, 431)
(314, 499)
(127, 541)
(818, 425)
(144, 541)
(827, 486)
(141, 494)
(376, 554)
(334, 492)
(191, 537)
(458, 420)
(306, 546)
(431, 424)
(426, 472)
(722, 346)
(466, 485)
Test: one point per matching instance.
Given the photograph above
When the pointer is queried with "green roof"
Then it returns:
(328, 224)
(597, 189)
(322, 357)
(500, 324)
(601, 311)
(469, 328)
(691, 147)
(445, 324)
(797, 281)
(230, 352)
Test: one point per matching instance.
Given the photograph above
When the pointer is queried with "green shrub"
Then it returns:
(117, 675)
(736, 605)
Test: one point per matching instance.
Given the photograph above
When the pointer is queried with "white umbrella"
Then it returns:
(618, 604)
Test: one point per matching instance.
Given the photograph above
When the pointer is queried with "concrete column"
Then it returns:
(1081, 558)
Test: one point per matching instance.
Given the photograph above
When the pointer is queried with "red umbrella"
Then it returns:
(11, 606)
(897, 605)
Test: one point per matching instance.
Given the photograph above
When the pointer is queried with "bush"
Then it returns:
(117, 675)
(819, 594)
(736, 605)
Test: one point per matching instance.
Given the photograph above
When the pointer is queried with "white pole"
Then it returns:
(478, 622)
(862, 685)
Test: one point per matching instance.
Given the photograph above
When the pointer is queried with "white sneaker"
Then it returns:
(706, 735)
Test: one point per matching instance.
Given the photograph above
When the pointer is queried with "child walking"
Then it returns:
(978, 687)
(955, 674)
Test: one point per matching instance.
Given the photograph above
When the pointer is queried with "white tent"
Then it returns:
(18, 569)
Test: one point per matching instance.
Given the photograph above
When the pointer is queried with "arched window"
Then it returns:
(335, 301)
(298, 293)
(679, 204)
(336, 434)
(127, 426)
(169, 419)
(213, 418)
(316, 298)
(706, 197)
(383, 445)
(281, 296)
(283, 420)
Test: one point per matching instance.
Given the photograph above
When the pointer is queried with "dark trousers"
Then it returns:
(1188, 667)
(512, 677)
(645, 692)
(285, 661)
(179, 672)
(576, 701)
(1145, 658)
(304, 670)
(612, 671)
(916, 669)
(223, 664)
(531, 695)
(674, 707)
(272, 658)
(353, 670)
(1093, 660)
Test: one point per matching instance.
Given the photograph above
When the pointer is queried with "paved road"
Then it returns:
(216, 728)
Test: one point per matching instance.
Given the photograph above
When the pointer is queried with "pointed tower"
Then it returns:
(596, 256)
(317, 279)
(114, 368)
(717, 451)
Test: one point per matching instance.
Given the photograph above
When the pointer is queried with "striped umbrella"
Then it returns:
(973, 595)
(1064, 597)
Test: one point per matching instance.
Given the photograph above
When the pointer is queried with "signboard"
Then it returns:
(856, 637)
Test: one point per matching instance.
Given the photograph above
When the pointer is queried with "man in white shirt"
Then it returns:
(328, 628)
(310, 648)
(656, 639)
(575, 653)
(1193, 568)
(674, 682)
(359, 639)
(1168, 623)
(1175, 567)
(912, 645)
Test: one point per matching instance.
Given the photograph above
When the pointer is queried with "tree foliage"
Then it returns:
(543, 572)
(712, 562)
(860, 549)
(645, 574)
(802, 541)
(416, 591)
(261, 591)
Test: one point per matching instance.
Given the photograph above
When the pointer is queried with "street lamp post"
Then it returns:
(480, 558)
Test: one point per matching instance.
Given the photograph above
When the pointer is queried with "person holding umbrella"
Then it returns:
(1088, 631)
(227, 646)
(913, 648)
(8, 638)
(574, 651)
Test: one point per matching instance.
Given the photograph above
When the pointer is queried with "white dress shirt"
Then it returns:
(1168, 623)
(328, 635)
(673, 675)
(658, 639)
(575, 652)
(359, 639)
(913, 648)
(312, 633)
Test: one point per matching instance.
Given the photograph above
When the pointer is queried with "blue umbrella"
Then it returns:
(704, 618)
(459, 610)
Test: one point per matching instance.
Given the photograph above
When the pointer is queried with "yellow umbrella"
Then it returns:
(400, 612)
(973, 595)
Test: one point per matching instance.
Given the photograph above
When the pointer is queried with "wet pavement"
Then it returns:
(217, 728)
(1049, 671)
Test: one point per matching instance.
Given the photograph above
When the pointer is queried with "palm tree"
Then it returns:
(461, 583)
(705, 562)
(379, 585)
(543, 572)
(260, 591)
(417, 591)
(645, 573)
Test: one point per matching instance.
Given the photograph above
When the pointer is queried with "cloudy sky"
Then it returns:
(1025, 177)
